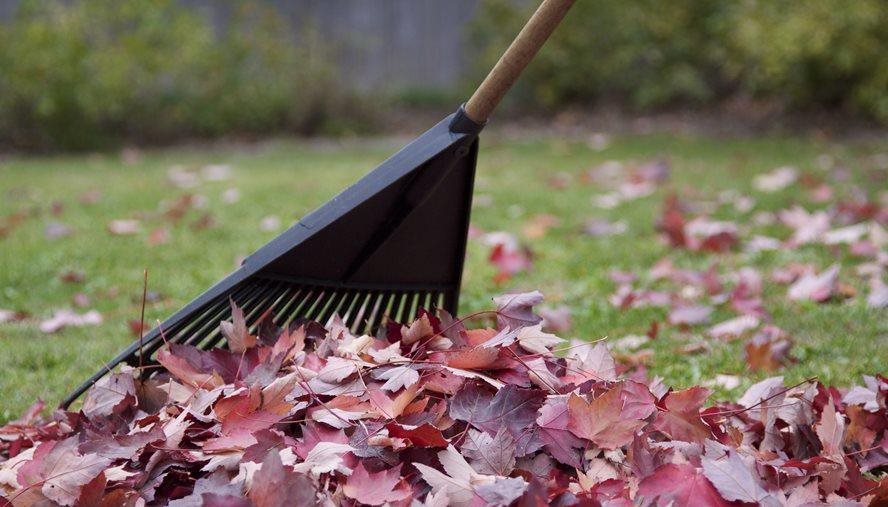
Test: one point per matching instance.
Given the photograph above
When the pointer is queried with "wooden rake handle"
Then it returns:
(515, 59)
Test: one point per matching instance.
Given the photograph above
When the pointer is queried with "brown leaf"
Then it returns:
(110, 395)
(768, 350)
(376, 488)
(681, 419)
(124, 227)
(601, 420)
(275, 485)
(236, 332)
(61, 472)
(158, 236)
(539, 225)
(681, 484)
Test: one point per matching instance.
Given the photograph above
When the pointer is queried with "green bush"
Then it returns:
(92, 73)
(647, 53)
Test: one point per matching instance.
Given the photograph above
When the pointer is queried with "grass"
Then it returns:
(836, 342)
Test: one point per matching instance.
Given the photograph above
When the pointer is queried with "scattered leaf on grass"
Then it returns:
(270, 223)
(231, 195)
(814, 287)
(72, 276)
(539, 225)
(216, 172)
(65, 318)
(768, 349)
(204, 222)
(11, 316)
(507, 255)
(56, 230)
(124, 227)
(733, 328)
(599, 227)
(690, 315)
(778, 179)
(159, 236)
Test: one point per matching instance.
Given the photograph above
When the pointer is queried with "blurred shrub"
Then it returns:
(647, 53)
(91, 73)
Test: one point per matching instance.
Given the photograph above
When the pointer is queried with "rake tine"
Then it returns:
(399, 307)
(354, 297)
(287, 308)
(371, 320)
(315, 307)
(387, 312)
(294, 313)
(325, 312)
(255, 309)
(428, 301)
(282, 293)
(362, 308)
(414, 306)
(334, 309)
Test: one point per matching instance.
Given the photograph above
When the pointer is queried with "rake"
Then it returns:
(389, 245)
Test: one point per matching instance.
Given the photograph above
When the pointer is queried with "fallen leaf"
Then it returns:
(124, 227)
(158, 236)
(236, 333)
(204, 222)
(509, 258)
(533, 339)
(110, 395)
(490, 454)
(599, 227)
(728, 382)
(680, 484)
(398, 377)
(376, 488)
(270, 223)
(681, 419)
(595, 362)
(275, 485)
(56, 230)
(778, 179)
(768, 349)
(539, 225)
(817, 288)
(556, 319)
(516, 310)
(65, 318)
(733, 477)
(216, 172)
(12, 316)
(690, 315)
(735, 327)
(457, 483)
(62, 471)
(72, 276)
(601, 420)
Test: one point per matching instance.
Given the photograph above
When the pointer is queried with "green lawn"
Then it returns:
(837, 342)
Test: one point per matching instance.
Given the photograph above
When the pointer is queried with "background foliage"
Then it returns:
(88, 73)
(645, 53)
(96, 73)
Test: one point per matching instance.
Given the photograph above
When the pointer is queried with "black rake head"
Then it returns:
(389, 245)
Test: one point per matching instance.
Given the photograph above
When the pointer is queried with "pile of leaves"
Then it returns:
(435, 413)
